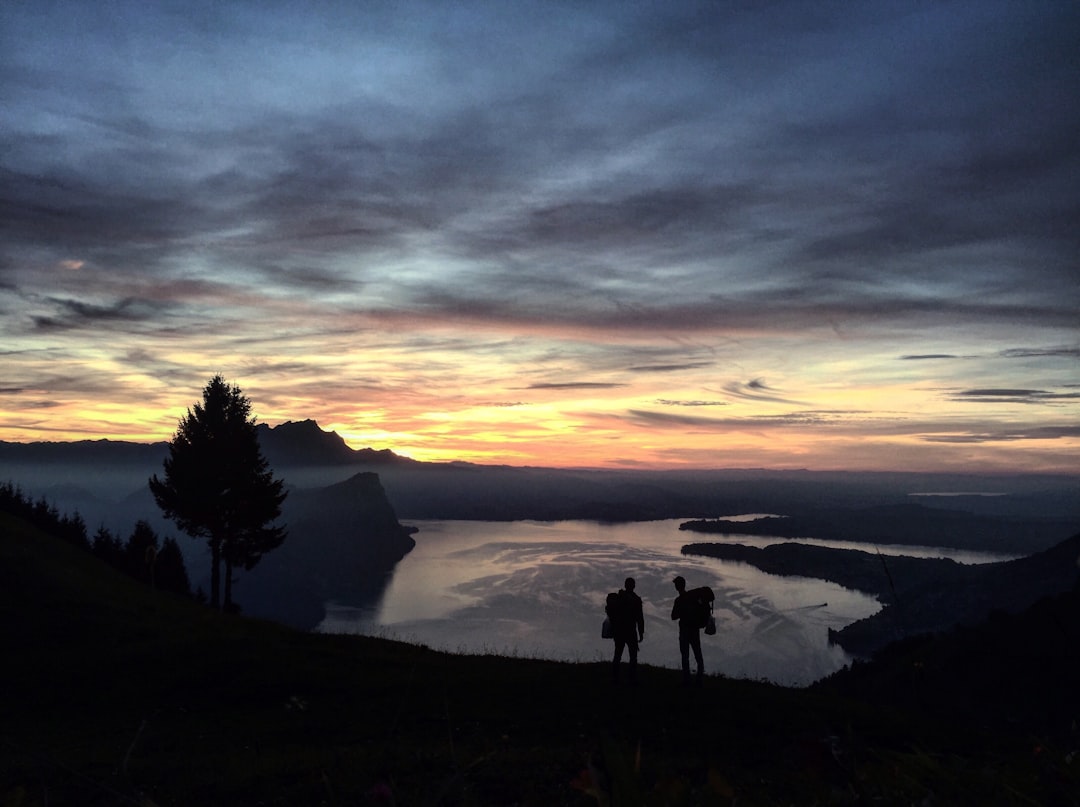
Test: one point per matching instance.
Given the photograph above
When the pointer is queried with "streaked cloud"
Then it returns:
(1014, 396)
(757, 390)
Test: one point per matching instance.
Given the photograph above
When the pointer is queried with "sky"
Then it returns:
(586, 234)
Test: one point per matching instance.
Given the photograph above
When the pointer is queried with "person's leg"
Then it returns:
(632, 647)
(695, 642)
(619, 644)
(684, 651)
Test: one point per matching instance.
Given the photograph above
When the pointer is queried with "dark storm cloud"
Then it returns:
(554, 298)
(309, 278)
(926, 356)
(865, 177)
(78, 314)
(668, 222)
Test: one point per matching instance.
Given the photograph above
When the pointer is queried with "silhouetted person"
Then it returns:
(627, 628)
(685, 611)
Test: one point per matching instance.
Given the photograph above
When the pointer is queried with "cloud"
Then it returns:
(765, 422)
(569, 385)
(1063, 352)
(1032, 353)
(756, 390)
(667, 402)
(77, 314)
(348, 203)
(1005, 395)
(1062, 432)
(669, 368)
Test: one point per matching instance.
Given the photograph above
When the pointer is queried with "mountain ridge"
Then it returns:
(289, 443)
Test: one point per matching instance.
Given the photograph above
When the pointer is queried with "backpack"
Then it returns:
(614, 608)
(701, 601)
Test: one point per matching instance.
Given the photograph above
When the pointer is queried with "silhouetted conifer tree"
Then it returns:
(218, 486)
(171, 574)
(140, 553)
(73, 530)
(44, 515)
(107, 547)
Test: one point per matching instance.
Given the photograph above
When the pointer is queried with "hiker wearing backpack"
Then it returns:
(627, 627)
(688, 610)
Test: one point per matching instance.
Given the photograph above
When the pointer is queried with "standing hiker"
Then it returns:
(627, 627)
(688, 611)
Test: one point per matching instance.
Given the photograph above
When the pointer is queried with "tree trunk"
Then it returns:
(215, 573)
(227, 605)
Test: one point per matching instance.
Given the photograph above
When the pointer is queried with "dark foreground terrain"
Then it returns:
(114, 694)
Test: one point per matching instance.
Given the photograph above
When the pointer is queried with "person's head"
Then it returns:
(629, 584)
(680, 584)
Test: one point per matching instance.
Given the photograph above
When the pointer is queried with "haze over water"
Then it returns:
(537, 589)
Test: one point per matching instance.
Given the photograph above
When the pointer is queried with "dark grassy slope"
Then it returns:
(116, 695)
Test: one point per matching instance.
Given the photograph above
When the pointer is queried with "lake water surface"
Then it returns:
(537, 589)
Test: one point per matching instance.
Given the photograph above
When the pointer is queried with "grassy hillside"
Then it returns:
(114, 694)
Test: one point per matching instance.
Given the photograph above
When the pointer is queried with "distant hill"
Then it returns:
(920, 595)
(344, 541)
(904, 523)
(83, 452)
(300, 443)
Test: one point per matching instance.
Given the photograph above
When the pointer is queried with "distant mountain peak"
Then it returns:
(305, 443)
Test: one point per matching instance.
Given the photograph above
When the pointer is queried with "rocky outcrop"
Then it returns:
(303, 444)
(343, 543)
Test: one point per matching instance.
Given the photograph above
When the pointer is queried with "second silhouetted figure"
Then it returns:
(686, 611)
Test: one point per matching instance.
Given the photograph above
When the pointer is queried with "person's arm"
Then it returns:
(675, 609)
(640, 621)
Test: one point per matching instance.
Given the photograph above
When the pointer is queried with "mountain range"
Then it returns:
(307, 456)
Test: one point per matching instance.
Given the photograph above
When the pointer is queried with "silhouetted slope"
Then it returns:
(1011, 671)
(116, 695)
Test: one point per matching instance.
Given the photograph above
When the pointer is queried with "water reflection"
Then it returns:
(537, 589)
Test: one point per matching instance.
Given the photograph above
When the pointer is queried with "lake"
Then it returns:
(537, 589)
